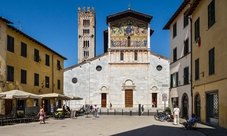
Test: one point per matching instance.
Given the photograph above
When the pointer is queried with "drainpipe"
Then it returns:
(52, 73)
(190, 18)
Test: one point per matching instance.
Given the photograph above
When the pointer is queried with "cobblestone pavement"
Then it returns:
(106, 125)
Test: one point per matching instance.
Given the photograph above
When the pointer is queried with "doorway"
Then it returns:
(128, 98)
(212, 108)
(197, 106)
(103, 99)
(8, 107)
(185, 106)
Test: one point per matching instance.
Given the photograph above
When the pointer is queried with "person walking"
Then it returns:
(110, 106)
(176, 112)
(41, 115)
(142, 109)
(96, 108)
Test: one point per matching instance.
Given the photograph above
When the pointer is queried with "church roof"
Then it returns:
(83, 62)
(129, 13)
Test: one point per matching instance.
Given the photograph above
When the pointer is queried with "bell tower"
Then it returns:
(86, 34)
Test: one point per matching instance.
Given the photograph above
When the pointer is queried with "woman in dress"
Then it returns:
(41, 115)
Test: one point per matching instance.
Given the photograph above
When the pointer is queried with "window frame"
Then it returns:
(211, 13)
(121, 56)
(186, 20)
(175, 54)
(175, 30)
(23, 76)
(36, 79)
(186, 46)
(59, 65)
(47, 82)
(10, 43)
(86, 22)
(197, 29)
(186, 75)
(211, 61)
(47, 60)
(174, 77)
(23, 49)
(135, 55)
(197, 69)
(10, 73)
(36, 55)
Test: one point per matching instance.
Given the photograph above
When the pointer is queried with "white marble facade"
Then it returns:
(113, 79)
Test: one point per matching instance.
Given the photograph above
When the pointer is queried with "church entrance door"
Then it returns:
(103, 99)
(128, 98)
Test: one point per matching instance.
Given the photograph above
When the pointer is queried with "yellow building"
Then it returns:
(209, 65)
(28, 65)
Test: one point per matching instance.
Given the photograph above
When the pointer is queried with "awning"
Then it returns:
(18, 94)
(173, 93)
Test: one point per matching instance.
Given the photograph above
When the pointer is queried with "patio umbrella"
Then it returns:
(74, 97)
(55, 95)
(18, 94)
(2, 95)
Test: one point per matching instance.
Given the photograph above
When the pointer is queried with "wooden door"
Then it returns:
(128, 98)
(8, 107)
(103, 99)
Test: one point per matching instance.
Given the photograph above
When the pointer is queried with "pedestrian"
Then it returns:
(142, 109)
(96, 108)
(190, 122)
(91, 108)
(176, 112)
(41, 115)
(110, 106)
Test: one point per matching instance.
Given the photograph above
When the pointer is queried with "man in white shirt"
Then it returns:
(96, 108)
(176, 112)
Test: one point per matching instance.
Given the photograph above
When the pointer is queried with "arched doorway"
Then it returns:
(185, 106)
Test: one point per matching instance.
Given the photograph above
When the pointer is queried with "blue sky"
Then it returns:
(54, 22)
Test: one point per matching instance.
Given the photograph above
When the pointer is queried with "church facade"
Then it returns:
(127, 73)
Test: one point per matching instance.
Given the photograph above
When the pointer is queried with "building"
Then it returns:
(209, 74)
(28, 65)
(180, 60)
(127, 74)
(86, 34)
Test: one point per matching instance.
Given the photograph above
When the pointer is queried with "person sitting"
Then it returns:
(67, 109)
(191, 121)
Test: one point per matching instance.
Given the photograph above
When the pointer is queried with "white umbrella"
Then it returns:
(2, 95)
(55, 95)
(74, 97)
(18, 94)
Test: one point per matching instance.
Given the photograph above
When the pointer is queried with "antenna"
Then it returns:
(18, 25)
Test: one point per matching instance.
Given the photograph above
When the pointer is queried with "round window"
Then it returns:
(159, 67)
(98, 68)
(74, 80)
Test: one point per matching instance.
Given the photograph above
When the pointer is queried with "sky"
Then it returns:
(55, 22)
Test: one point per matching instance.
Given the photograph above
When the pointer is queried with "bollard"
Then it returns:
(130, 113)
(122, 111)
(148, 112)
(107, 111)
(114, 111)
(100, 112)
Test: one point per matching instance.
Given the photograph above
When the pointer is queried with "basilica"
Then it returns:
(127, 74)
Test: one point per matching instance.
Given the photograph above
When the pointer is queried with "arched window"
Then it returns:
(129, 41)
(135, 55)
(122, 56)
